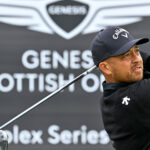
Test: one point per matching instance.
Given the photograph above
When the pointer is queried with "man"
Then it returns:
(126, 100)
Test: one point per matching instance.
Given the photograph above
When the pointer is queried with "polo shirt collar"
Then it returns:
(113, 86)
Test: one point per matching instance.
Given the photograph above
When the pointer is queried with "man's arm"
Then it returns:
(146, 63)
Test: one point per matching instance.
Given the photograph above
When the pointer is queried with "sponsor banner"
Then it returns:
(70, 131)
(50, 60)
(43, 45)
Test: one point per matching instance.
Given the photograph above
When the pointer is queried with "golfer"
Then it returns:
(125, 104)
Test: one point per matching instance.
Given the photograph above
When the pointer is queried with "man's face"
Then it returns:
(127, 67)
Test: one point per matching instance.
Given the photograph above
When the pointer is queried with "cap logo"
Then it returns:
(121, 32)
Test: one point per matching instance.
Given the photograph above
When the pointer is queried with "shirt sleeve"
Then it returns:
(146, 63)
(141, 102)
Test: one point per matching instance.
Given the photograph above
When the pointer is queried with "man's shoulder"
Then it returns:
(124, 93)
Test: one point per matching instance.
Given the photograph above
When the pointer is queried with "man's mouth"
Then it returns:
(137, 69)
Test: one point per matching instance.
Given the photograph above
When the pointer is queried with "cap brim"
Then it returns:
(125, 48)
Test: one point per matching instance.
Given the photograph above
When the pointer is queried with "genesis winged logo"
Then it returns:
(68, 18)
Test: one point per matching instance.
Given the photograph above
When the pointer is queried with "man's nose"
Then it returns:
(136, 57)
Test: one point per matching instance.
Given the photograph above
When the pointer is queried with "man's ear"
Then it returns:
(105, 68)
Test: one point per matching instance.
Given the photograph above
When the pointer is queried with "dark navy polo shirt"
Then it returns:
(126, 112)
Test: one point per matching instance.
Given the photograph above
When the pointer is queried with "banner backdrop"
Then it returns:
(43, 45)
